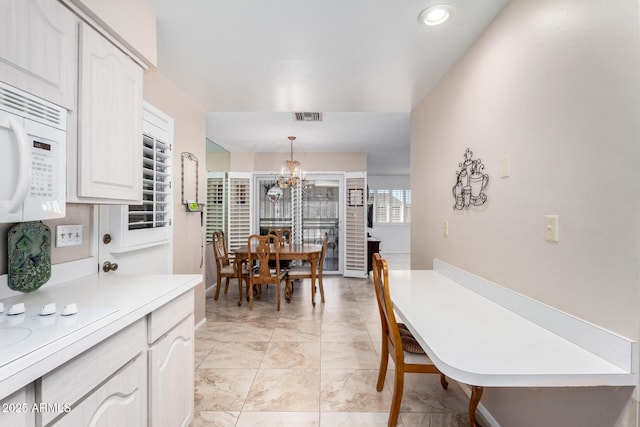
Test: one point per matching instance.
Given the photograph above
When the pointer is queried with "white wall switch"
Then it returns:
(445, 228)
(551, 228)
(505, 166)
(68, 235)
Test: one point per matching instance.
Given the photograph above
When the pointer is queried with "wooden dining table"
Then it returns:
(288, 252)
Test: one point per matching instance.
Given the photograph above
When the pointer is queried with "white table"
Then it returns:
(476, 341)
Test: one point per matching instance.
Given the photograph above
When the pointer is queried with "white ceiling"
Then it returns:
(363, 63)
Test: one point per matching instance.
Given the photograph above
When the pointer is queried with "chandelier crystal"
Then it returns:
(291, 173)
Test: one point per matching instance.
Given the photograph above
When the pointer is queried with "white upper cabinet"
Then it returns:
(109, 152)
(38, 49)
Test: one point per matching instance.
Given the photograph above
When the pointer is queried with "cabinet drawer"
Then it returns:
(68, 383)
(166, 317)
(121, 401)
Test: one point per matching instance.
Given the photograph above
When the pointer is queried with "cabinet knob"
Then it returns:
(106, 239)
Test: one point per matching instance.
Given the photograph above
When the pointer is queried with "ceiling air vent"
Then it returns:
(308, 117)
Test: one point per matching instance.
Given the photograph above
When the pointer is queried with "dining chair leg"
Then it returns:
(321, 289)
(443, 381)
(382, 371)
(313, 292)
(279, 292)
(396, 400)
(226, 286)
(288, 290)
(218, 284)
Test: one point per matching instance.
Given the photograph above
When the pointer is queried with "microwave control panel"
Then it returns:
(42, 170)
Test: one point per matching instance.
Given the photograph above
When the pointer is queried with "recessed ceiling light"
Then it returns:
(436, 15)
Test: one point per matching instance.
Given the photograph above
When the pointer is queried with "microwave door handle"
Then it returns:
(24, 163)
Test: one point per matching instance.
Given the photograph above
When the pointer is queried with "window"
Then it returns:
(148, 224)
(391, 206)
(154, 210)
(216, 203)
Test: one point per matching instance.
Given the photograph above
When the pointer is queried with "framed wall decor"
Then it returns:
(356, 197)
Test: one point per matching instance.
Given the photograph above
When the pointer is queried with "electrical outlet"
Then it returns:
(445, 228)
(68, 235)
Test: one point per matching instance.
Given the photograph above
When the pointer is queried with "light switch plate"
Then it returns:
(68, 235)
(505, 166)
(551, 228)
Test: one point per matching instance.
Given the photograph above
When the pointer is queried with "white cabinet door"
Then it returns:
(109, 122)
(121, 401)
(17, 410)
(171, 377)
(38, 49)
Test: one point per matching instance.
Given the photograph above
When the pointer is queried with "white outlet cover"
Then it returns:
(551, 228)
(68, 235)
(505, 166)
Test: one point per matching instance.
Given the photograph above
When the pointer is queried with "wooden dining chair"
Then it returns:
(284, 237)
(224, 263)
(284, 234)
(260, 250)
(304, 272)
(398, 342)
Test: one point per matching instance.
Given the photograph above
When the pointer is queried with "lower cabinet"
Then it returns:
(17, 409)
(170, 334)
(108, 380)
(139, 376)
(121, 401)
(170, 386)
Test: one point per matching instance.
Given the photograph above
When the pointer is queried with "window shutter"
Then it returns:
(397, 206)
(154, 210)
(148, 224)
(355, 228)
(215, 203)
(407, 205)
(239, 210)
(382, 200)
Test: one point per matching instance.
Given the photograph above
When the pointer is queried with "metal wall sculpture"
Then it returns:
(471, 183)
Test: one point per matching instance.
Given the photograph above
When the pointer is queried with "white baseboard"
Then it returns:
(200, 323)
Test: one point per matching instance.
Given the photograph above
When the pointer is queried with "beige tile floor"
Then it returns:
(306, 366)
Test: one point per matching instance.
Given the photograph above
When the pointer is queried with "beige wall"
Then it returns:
(555, 85)
(330, 162)
(189, 136)
(218, 162)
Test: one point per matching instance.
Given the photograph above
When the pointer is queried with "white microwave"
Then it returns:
(33, 134)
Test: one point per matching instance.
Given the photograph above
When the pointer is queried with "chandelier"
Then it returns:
(291, 174)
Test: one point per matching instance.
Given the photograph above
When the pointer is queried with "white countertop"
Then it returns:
(119, 300)
(479, 342)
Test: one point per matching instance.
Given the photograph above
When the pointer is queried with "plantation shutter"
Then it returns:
(355, 259)
(239, 185)
(156, 174)
(382, 201)
(216, 205)
(397, 206)
(148, 224)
